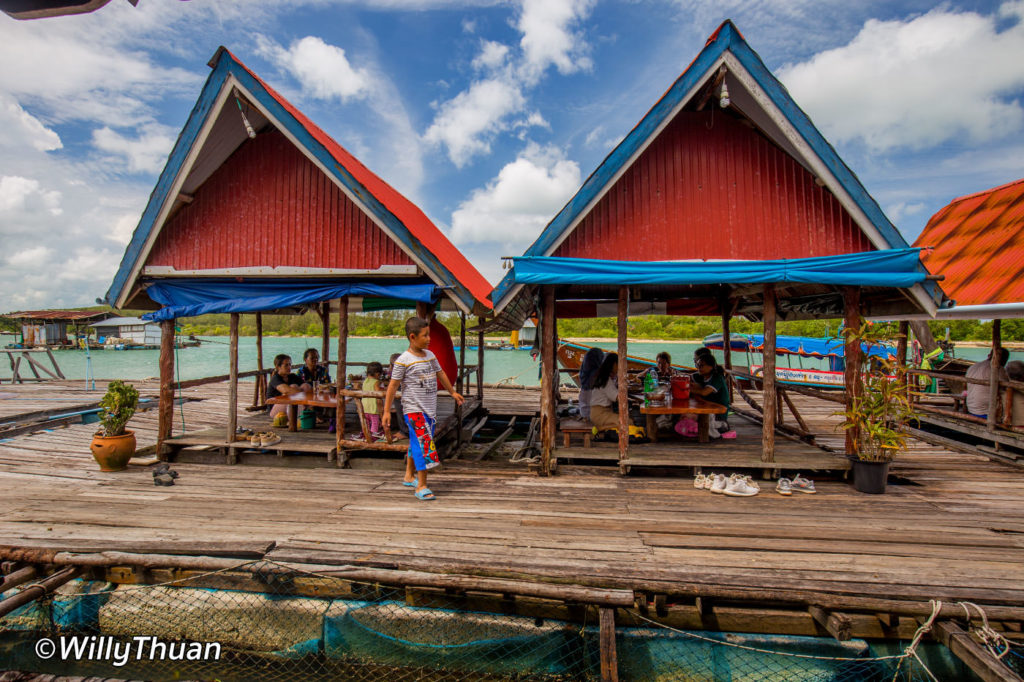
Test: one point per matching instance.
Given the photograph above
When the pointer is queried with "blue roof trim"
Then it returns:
(226, 66)
(728, 39)
(506, 283)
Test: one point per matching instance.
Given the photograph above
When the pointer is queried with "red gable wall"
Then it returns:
(268, 205)
(711, 187)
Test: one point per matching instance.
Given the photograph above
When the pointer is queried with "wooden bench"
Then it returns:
(570, 426)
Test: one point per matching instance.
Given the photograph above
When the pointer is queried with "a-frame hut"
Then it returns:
(724, 199)
(260, 210)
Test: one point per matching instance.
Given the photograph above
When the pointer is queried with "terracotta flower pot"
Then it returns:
(113, 452)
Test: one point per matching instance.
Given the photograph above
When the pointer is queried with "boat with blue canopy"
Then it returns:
(831, 349)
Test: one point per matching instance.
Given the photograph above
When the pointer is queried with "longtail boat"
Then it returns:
(570, 356)
(830, 349)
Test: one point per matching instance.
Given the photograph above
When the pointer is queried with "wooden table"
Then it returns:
(321, 399)
(695, 405)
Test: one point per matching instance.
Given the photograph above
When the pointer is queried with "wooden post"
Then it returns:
(851, 355)
(165, 416)
(976, 657)
(726, 338)
(609, 658)
(461, 387)
(770, 397)
(260, 394)
(480, 361)
(325, 330)
(342, 378)
(233, 381)
(901, 343)
(994, 366)
(548, 375)
(623, 365)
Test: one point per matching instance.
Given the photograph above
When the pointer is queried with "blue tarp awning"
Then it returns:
(188, 299)
(899, 268)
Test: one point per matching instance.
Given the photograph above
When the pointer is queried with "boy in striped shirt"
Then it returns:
(417, 372)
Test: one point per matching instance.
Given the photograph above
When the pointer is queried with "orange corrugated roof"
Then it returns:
(978, 245)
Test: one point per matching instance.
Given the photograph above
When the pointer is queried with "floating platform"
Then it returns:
(949, 527)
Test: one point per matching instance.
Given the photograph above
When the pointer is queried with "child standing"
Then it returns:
(417, 372)
(371, 406)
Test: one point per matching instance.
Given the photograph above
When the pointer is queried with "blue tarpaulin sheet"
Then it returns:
(887, 268)
(188, 299)
(799, 345)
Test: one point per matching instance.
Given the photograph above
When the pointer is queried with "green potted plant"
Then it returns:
(113, 445)
(880, 407)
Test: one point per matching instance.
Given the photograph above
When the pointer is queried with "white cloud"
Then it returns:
(18, 128)
(122, 230)
(467, 123)
(323, 70)
(30, 257)
(86, 67)
(19, 194)
(548, 37)
(918, 83)
(492, 55)
(145, 154)
(513, 208)
(903, 209)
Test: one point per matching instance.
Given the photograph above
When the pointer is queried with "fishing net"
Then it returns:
(266, 621)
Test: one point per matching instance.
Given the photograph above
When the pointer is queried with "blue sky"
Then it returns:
(487, 114)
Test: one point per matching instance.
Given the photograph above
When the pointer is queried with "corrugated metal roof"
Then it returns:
(409, 213)
(121, 322)
(816, 210)
(711, 187)
(410, 226)
(978, 245)
(268, 202)
(57, 314)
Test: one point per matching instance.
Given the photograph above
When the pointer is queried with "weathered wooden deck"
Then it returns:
(951, 527)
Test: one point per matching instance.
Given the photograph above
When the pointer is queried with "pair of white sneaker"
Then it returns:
(736, 485)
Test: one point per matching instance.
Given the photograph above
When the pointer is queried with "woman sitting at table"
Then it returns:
(605, 394)
(283, 382)
(312, 370)
(709, 383)
(588, 370)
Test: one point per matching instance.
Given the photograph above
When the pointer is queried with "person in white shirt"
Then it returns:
(605, 394)
(977, 394)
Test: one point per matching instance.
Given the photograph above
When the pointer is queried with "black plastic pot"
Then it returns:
(870, 477)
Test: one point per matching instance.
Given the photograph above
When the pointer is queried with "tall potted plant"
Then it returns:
(879, 409)
(113, 445)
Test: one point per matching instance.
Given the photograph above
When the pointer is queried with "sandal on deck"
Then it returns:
(409, 484)
(425, 494)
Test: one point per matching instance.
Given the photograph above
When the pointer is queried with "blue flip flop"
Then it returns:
(425, 495)
(409, 484)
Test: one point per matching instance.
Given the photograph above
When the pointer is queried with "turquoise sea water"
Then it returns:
(211, 358)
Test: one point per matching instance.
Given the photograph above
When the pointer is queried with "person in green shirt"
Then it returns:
(709, 382)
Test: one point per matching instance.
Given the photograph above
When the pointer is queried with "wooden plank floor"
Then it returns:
(952, 527)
